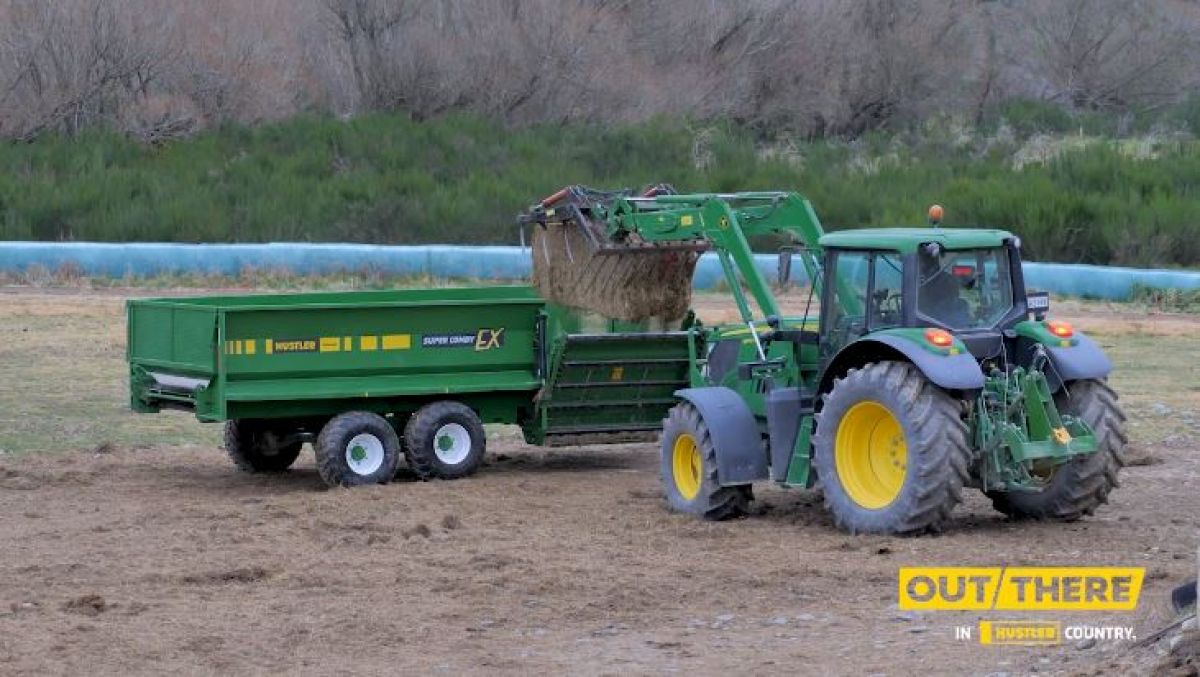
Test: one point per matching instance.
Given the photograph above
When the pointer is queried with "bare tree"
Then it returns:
(989, 67)
(371, 32)
(817, 67)
(521, 60)
(1104, 54)
(236, 62)
(70, 64)
(811, 67)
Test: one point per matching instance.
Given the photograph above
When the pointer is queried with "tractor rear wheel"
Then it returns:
(1077, 487)
(689, 469)
(259, 446)
(891, 451)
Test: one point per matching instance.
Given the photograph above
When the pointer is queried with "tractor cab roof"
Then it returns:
(907, 240)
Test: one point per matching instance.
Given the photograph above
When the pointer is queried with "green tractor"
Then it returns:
(928, 367)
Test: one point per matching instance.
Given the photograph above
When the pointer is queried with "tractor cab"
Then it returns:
(967, 283)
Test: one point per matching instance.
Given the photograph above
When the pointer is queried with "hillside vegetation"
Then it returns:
(385, 178)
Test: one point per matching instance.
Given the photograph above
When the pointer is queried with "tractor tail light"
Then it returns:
(939, 337)
(1060, 329)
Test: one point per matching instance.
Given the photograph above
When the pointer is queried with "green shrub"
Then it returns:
(1186, 114)
(1030, 116)
(462, 179)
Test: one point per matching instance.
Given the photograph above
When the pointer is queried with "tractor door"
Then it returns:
(867, 296)
(844, 302)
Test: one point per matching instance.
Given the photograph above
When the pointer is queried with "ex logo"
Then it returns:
(486, 339)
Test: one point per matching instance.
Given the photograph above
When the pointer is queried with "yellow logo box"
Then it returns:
(1020, 588)
(1020, 633)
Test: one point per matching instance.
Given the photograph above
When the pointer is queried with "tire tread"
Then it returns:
(938, 445)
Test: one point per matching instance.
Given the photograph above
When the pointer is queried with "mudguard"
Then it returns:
(952, 372)
(785, 407)
(1083, 360)
(741, 456)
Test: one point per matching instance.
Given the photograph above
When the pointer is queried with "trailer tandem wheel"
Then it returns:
(356, 448)
(260, 446)
(444, 440)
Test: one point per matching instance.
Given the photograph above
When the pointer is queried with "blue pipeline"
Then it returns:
(450, 262)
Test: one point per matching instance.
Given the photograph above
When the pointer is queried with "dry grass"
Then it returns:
(65, 384)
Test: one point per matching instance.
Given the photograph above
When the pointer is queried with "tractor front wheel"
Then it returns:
(1077, 487)
(891, 451)
(689, 469)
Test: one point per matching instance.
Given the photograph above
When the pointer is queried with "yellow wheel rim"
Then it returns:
(871, 455)
(686, 466)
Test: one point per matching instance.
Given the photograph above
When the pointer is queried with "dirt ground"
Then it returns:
(129, 544)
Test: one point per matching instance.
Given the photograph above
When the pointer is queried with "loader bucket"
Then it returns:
(575, 264)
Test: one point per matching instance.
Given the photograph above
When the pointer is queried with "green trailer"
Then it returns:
(369, 377)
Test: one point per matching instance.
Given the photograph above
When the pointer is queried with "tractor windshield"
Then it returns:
(966, 288)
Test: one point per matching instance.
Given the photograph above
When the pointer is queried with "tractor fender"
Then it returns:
(1083, 360)
(952, 372)
(741, 456)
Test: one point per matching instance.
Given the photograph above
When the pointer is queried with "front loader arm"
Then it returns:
(725, 221)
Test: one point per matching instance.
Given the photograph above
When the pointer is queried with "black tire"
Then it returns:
(439, 423)
(701, 494)
(927, 484)
(257, 446)
(1079, 486)
(357, 448)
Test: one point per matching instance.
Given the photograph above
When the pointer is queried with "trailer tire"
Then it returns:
(255, 446)
(357, 448)
(1079, 486)
(689, 469)
(891, 451)
(444, 440)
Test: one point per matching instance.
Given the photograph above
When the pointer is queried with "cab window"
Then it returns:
(886, 291)
(845, 312)
(965, 289)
